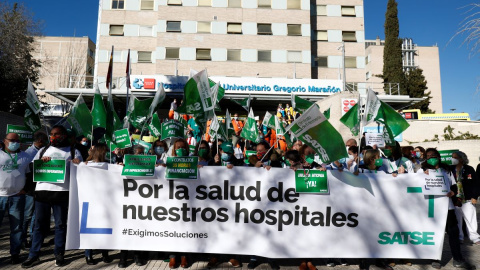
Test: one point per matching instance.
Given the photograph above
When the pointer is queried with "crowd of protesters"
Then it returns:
(30, 204)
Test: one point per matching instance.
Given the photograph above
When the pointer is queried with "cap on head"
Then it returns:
(227, 147)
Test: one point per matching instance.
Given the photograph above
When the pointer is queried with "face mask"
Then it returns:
(84, 143)
(287, 162)
(310, 158)
(202, 153)
(350, 156)
(159, 150)
(347, 148)
(260, 155)
(433, 161)
(225, 157)
(56, 140)
(387, 152)
(378, 162)
(342, 160)
(455, 161)
(13, 146)
(181, 152)
(418, 154)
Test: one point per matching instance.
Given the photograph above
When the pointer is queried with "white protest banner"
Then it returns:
(435, 183)
(375, 139)
(256, 212)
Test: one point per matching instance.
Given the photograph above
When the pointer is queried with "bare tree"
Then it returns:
(470, 28)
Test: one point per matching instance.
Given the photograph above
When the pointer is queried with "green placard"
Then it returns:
(26, 135)
(446, 156)
(172, 129)
(138, 165)
(315, 182)
(52, 171)
(145, 145)
(122, 138)
(182, 168)
(249, 153)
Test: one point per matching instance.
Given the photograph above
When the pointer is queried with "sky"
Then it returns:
(427, 22)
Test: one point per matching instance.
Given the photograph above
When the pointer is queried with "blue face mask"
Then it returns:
(159, 150)
(418, 154)
(13, 146)
(225, 157)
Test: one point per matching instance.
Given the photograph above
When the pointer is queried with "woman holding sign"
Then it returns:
(432, 163)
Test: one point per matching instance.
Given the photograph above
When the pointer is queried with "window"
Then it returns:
(234, 55)
(147, 5)
(264, 56)
(294, 4)
(348, 11)
(322, 35)
(321, 61)
(321, 10)
(264, 29)
(118, 4)
(294, 57)
(174, 2)
(173, 26)
(204, 3)
(203, 27)
(294, 29)
(203, 54)
(235, 3)
(349, 36)
(368, 75)
(117, 56)
(264, 3)
(172, 53)
(350, 61)
(144, 57)
(116, 30)
(234, 28)
(145, 31)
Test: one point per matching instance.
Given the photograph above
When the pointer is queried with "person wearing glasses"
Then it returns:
(13, 167)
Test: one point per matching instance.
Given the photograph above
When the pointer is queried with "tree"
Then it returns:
(470, 27)
(17, 31)
(392, 52)
(416, 87)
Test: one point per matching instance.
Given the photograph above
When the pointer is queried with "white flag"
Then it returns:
(32, 99)
(371, 108)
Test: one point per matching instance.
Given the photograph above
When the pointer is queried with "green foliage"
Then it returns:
(17, 31)
(449, 135)
(392, 52)
(416, 87)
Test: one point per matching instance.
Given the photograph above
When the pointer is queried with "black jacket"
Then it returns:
(470, 181)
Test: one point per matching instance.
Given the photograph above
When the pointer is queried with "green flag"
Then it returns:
(214, 126)
(31, 118)
(313, 129)
(228, 125)
(155, 126)
(245, 103)
(380, 112)
(32, 99)
(80, 118)
(250, 130)
(350, 119)
(157, 100)
(327, 113)
(300, 105)
(138, 111)
(269, 120)
(113, 122)
(99, 114)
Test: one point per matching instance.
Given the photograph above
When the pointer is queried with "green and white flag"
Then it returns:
(300, 105)
(180, 119)
(138, 111)
(228, 125)
(80, 118)
(327, 113)
(99, 114)
(313, 129)
(157, 100)
(32, 99)
(113, 122)
(214, 126)
(380, 112)
(269, 120)
(250, 130)
(245, 103)
(279, 129)
(31, 118)
(155, 126)
(351, 120)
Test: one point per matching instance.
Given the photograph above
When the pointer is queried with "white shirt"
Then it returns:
(12, 178)
(57, 153)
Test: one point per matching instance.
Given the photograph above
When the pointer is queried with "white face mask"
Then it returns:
(455, 161)
(350, 156)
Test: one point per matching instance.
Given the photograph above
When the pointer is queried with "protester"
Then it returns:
(264, 153)
(52, 196)
(353, 161)
(160, 148)
(468, 190)
(191, 140)
(432, 162)
(13, 167)
(194, 128)
(226, 156)
(203, 152)
(297, 144)
(96, 158)
(173, 107)
(419, 158)
(237, 127)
